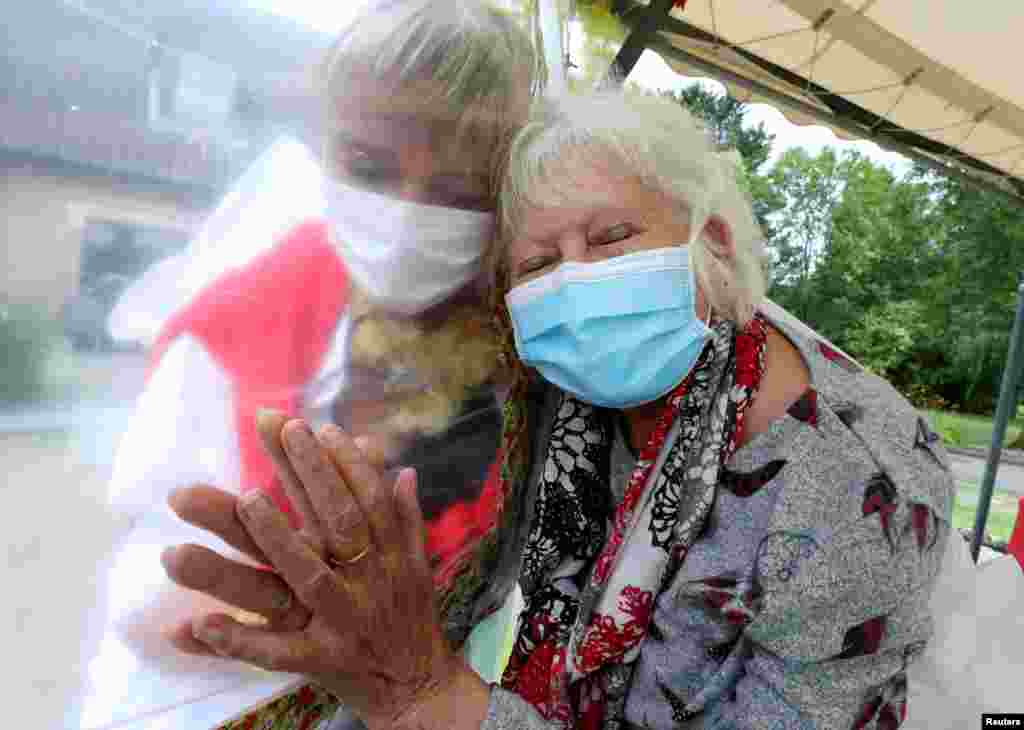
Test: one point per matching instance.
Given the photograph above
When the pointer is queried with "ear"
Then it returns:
(719, 234)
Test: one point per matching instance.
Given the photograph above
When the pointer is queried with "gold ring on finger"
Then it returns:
(350, 561)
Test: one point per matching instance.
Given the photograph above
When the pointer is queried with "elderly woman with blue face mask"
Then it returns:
(727, 524)
(716, 519)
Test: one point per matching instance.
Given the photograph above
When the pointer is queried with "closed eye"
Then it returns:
(460, 191)
(616, 233)
(532, 266)
(372, 171)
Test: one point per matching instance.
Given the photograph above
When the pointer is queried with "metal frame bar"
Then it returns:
(1007, 406)
(647, 22)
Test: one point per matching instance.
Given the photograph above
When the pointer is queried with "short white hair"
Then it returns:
(479, 62)
(662, 144)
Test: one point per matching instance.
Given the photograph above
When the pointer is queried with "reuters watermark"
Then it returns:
(1002, 719)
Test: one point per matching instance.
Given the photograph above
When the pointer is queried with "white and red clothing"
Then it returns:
(268, 335)
(261, 322)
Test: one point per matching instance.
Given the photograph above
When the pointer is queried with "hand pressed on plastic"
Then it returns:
(242, 583)
(373, 637)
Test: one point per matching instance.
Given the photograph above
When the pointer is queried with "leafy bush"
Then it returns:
(30, 340)
(884, 338)
(925, 397)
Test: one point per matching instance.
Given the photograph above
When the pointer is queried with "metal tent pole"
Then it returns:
(636, 43)
(1007, 407)
(551, 39)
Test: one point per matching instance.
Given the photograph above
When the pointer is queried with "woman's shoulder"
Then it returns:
(888, 433)
(861, 517)
(839, 379)
(805, 337)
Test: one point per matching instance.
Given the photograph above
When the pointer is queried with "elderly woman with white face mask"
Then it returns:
(717, 519)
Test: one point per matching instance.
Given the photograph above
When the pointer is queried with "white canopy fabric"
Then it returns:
(934, 79)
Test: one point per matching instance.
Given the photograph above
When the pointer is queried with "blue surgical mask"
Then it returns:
(617, 333)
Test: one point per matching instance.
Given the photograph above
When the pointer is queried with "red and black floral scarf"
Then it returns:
(591, 571)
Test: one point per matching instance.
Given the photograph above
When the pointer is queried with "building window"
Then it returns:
(114, 254)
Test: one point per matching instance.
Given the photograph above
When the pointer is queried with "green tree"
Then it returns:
(855, 255)
(972, 296)
(879, 253)
(603, 35)
(810, 188)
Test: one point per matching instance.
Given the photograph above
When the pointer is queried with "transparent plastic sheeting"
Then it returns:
(252, 216)
(428, 396)
(425, 392)
(134, 678)
(970, 666)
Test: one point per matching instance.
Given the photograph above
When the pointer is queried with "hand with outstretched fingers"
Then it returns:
(257, 592)
(360, 618)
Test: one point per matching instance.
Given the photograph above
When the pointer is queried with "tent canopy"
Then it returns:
(932, 80)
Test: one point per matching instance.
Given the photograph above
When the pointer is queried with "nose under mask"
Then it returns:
(406, 256)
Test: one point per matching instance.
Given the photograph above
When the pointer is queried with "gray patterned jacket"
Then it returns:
(807, 596)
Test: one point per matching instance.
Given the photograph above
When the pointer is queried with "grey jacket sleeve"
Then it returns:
(509, 711)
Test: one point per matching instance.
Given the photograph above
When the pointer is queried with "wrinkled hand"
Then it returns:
(366, 630)
(254, 591)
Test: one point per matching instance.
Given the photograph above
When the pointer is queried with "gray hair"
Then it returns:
(654, 139)
(480, 59)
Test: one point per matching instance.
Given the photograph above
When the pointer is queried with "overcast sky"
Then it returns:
(650, 71)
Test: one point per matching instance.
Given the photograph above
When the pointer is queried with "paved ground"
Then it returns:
(1009, 477)
(56, 463)
(56, 532)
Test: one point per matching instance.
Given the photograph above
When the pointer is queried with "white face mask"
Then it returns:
(406, 256)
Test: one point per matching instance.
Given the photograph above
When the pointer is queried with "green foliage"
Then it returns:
(603, 35)
(30, 343)
(885, 336)
(925, 397)
(599, 22)
(972, 293)
(810, 190)
(914, 275)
